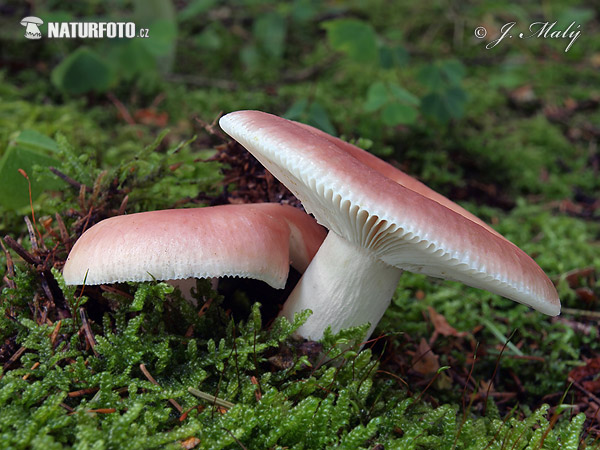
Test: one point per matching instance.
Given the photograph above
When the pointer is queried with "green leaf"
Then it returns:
(433, 106)
(35, 140)
(402, 95)
(437, 76)
(270, 31)
(133, 59)
(159, 17)
(297, 109)
(195, 8)
(398, 113)
(161, 37)
(81, 72)
(355, 38)
(377, 96)
(444, 105)
(13, 186)
(303, 10)
(431, 76)
(456, 98)
(397, 104)
(579, 15)
(319, 118)
(453, 71)
(209, 39)
(312, 114)
(391, 57)
(250, 57)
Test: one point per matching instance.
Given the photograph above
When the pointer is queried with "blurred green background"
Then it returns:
(507, 127)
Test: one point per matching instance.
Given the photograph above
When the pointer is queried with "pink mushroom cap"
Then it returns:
(379, 208)
(252, 241)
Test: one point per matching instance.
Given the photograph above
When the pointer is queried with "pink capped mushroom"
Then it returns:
(257, 241)
(381, 222)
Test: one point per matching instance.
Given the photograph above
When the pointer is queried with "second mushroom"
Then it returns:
(257, 241)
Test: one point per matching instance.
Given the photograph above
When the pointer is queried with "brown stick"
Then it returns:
(32, 236)
(88, 330)
(68, 179)
(584, 390)
(102, 410)
(10, 268)
(19, 250)
(54, 334)
(35, 366)
(85, 391)
(121, 108)
(16, 355)
(64, 235)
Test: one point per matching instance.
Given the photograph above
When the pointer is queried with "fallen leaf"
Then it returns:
(150, 116)
(586, 294)
(190, 443)
(584, 373)
(574, 276)
(425, 361)
(441, 326)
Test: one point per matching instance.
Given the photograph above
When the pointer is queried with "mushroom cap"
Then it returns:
(31, 19)
(397, 175)
(405, 228)
(252, 241)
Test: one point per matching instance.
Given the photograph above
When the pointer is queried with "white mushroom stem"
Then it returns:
(344, 286)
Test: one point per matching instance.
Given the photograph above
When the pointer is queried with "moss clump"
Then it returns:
(93, 390)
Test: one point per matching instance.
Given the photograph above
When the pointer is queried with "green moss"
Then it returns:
(531, 159)
(305, 405)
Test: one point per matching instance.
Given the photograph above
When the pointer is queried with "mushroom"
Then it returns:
(381, 222)
(32, 24)
(250, 241)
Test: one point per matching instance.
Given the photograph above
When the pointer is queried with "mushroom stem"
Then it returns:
(344, 286)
